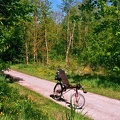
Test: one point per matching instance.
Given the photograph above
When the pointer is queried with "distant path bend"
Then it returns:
(97, 107)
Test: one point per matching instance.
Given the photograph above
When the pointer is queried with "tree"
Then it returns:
(70, 25)
(106, 29)
(44, 23)
(11, 13)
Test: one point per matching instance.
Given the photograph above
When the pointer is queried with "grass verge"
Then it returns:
(24, 104)
(96, 84)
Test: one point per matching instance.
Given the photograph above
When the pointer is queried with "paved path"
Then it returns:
(96, 106)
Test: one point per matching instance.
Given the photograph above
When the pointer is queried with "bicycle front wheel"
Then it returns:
(77, 100)
(57, 91)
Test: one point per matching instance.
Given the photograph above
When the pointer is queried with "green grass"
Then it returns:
(24, 104)
(111, 92)
(39, 71)
(102, 85)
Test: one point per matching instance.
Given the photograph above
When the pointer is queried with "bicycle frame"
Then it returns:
(67, 89)
(62, 86)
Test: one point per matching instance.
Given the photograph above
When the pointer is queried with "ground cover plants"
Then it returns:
(98, 84)
(23, 104)
(14, 106)
(79, 35)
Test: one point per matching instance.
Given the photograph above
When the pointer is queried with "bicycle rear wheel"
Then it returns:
(57, 91)
(77, 100)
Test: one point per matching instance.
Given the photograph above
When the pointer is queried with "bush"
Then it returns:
(15, 106)
(3, 65)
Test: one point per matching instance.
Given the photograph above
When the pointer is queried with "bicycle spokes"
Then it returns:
(57, 91)
(77, 100)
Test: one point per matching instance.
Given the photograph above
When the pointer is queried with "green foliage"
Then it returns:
(104, 44)
(32, 34)
(3, 66)
(24, 104)
(13, 46)
(13, 11)
(15, 106)
(12, 15)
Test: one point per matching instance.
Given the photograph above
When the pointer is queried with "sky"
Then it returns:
(55, 3)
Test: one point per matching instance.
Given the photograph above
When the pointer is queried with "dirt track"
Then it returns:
(96, 106)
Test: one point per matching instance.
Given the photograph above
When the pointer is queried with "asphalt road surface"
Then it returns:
(96, 106)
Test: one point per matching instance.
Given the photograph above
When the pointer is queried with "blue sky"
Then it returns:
(55, 3)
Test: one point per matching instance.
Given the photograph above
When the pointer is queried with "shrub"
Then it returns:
(15, 106)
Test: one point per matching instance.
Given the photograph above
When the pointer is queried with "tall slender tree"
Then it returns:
(66, 7)
(44, 21)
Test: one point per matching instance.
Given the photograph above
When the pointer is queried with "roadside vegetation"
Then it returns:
(92, 82)
(19, 103)
(83, 38)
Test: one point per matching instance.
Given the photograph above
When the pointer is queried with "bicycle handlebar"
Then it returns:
(83, 89)
(80, 86)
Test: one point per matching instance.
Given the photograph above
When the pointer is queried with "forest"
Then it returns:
(85, 33)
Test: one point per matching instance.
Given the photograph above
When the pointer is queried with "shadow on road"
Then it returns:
(62, 100)
(11, 79)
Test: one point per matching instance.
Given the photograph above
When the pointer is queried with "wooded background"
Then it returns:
(86, 33)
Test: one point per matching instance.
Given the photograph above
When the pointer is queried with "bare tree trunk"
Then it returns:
(26, 49)
(35, 39)
(34, 47)
(47, 56)
(67, 36)
(70, 42)
(84, 37)
(46, 44)
(26, 45)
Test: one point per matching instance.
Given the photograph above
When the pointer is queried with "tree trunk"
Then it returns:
(69, 44)
(35, 39)
(34, 47)
(67, 36)
(46, 44)
(26, 49)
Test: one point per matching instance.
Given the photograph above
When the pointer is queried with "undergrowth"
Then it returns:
(23, 104)
(99, 84)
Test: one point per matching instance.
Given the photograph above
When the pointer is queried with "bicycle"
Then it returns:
(62, 86)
